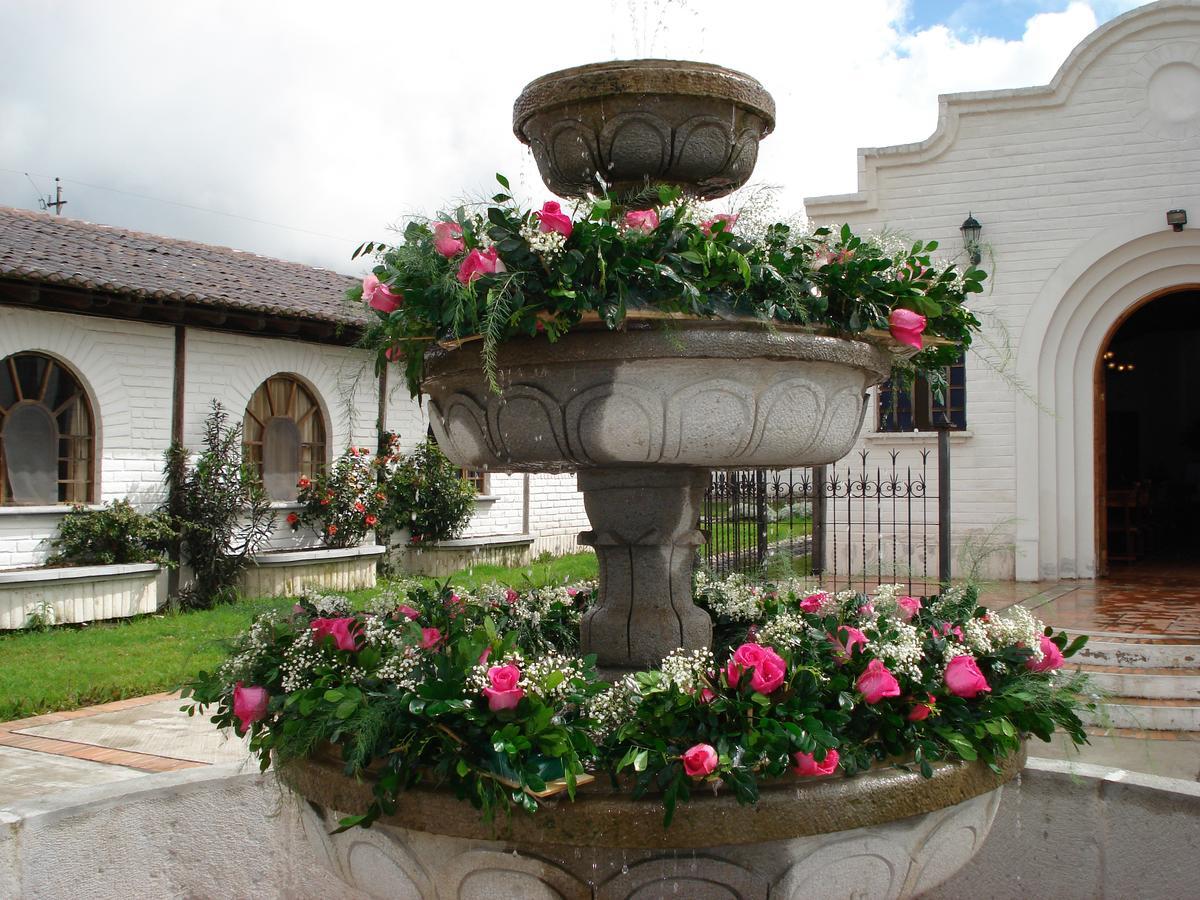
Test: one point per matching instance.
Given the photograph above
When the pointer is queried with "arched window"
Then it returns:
(47, 442)
(284, 435)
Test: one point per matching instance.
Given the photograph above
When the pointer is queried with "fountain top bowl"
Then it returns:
(632, 123)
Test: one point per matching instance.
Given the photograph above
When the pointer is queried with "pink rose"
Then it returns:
(430, 638)
(343, 631)
(378, 295)
(906, 327)
(767, 668)
(447, 238)
(812, 603)
(1052, 657)
(478, 263)
(249, 704)
(552, 218)
(706, 695)
(485, 655)
(947, 630)
(504, 692)
(725, 220)
(848, 637)
(877, 682)
(867, 609)
(963, 678)
(645, 220)
(700, 760)
(572, 592)
(511, 596)
(407, 611)
(908, 607)
(921, 711)
(821, 258)
(807, 767)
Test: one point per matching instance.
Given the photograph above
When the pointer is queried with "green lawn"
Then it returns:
(70, 667)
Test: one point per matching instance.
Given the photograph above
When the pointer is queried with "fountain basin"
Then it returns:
(636, 122)
(686, 393)
(886, 833)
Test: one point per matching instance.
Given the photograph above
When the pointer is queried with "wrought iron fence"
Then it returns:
(873, 517)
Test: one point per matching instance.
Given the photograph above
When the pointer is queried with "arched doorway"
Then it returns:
(1148, 438)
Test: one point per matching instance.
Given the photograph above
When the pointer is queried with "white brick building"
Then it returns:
(149, 331)
(1072, 183)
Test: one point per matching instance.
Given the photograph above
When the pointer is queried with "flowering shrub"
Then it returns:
(344, 503)
(485, 691)
(505, 272)
(427, 495)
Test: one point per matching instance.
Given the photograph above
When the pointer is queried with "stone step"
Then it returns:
(1147, 713)
(1127, 654)
(1161, 683)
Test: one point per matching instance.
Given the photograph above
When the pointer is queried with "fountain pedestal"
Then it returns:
(645, 537)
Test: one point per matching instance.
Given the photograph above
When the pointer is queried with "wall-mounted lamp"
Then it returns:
(1177, 218)
(970, 231)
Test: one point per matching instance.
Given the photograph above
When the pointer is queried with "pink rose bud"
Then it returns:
(504, 692)
(477, 263)
(848, 637)
(430, 638)
(552, 218)
(379, 296)
(645, 220)
(812, 603)
(724, 220)
(921, 711)
(345, 632)
(700, 760)
(447, 238)
(1052, 657)
(867, 609)
(908, 607)
(394, 353)
(906, 327)
(877, 682)
(572, 592)
(963, 678)
(706, 695)
(807, 767)
(407, 611)
(249, 705)
(485, 656)
(511, 596)
(821, 258)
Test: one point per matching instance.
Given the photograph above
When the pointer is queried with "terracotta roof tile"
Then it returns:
(63, 251)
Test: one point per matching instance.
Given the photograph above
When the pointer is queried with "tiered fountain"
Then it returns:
(643, 415)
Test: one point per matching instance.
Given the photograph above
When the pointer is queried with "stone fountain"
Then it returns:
(643, 415)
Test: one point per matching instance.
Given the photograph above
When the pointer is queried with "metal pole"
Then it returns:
(817, 540)
(760, 512)
(944, 552)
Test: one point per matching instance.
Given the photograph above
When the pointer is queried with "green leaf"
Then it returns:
(641, 760)
(334, 696)
(503, 182)
(346, 709)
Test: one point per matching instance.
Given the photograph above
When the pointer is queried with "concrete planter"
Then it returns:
(441, 559)
(643, 415)
(885, 834)
(287, 573)
(79, 593)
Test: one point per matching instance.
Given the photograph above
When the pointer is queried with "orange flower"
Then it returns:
(358, 506)
(380, 495)
(292, 518)
(332, 529)
(303, 483)
(371, 520)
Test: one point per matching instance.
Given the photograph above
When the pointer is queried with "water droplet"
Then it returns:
(624, 870)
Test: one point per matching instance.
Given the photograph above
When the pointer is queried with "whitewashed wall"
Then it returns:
(1071, 182)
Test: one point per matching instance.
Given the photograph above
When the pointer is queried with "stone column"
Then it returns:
(644, 530)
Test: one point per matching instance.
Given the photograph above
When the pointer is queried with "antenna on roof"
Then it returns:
(58, 202)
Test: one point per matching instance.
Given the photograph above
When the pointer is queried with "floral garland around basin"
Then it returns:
(483, 693)
(506, 272)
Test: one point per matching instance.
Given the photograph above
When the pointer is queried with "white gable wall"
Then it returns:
(1064, 179)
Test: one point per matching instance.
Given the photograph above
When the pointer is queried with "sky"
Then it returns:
(301, 129)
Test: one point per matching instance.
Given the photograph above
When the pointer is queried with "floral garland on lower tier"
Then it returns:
(484, 692)
(497, 272)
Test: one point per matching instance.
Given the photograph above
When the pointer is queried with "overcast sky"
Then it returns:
(338, 119)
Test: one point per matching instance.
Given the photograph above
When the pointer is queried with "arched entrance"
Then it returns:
(1148, 439)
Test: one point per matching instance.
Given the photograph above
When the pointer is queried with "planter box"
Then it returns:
(444, 558)
(287, 573)
(79, 593)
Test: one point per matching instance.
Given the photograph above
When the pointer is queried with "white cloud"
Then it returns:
(342, 118)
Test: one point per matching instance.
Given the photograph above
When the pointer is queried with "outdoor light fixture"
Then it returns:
(970, 231)
(1177, 218)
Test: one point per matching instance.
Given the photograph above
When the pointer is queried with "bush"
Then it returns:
(342, 505)
(116, 534)
(220, 512)
(427, 495)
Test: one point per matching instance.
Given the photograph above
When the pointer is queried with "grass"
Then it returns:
(69, 667)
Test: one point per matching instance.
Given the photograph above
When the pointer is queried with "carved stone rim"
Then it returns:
(601, 817)
(681, 339)
(642, 76)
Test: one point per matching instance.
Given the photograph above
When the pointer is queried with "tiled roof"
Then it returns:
(57, 250)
